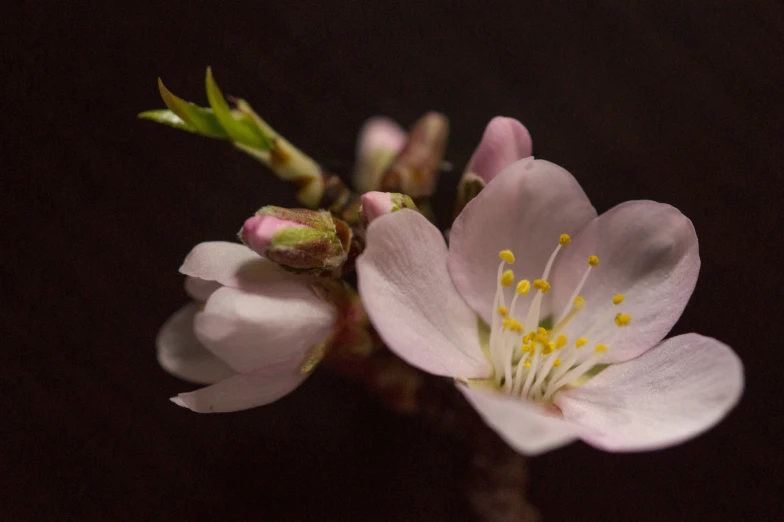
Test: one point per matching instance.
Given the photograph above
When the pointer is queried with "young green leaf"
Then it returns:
(240, 130)
(203, 121)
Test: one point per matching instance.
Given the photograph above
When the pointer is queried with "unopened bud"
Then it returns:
(380, 141)
(377, 204)
(298, 239)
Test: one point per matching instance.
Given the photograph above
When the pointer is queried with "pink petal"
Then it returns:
(406, 290)
(200, 289)
(647, 252)
(251, 330)
(525, 426)
(525, 208)
(380, 140)
(668, 395)
(505, 141)
(181, 354)
(242, 391)
(231, 264)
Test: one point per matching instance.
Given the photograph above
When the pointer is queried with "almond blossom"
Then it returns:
(551, 319)
(253, 333)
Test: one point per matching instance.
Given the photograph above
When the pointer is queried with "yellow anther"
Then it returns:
(548, 348)
(507, 256)
(579, 342)
(515, 326)
(527, 338)
(564, 239)
(542, 331)
(541, 285)
(506, 323)
(579, 302)
(623, 319)
(556, 362)
(560, 342)
(523, 287)
(601, 348)
(593, 260)
(502, 311)
(527, 363)
(507, 278)
(618, 299)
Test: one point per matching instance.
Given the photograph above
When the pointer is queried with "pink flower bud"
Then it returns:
(377, 204)
(258, 230)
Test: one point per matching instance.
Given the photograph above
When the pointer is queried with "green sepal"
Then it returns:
(200, 120)
(240, 129)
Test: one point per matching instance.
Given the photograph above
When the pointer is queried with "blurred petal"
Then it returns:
(200, 289)
(380, 140)
(411, 301)
(251, 330)
(181, 354)
(525, 209)
(231, 264)
(668, 395)
(242, 391)
(647, 252)
(505, 141)
(522, 424)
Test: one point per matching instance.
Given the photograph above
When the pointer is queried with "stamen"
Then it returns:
(564, 240)
(502, 311)
(543, 286)
(580, 342)
(523, 287)
(507, 256)
(618, 299)
(623, 319)
(593, 260)
(507, 278)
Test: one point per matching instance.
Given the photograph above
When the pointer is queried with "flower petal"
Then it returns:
(647, 252)
(242, 391)
(231, 264)
(200, 289)
(668, 395)
(406, 290)
(523, 425)
(525, 208)
(380, 140)
(251, 330)
(504, 141)
(181, 354)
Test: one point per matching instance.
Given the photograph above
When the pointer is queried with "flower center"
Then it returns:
(532, 358)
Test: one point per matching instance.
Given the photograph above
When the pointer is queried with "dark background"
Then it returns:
(678, 103)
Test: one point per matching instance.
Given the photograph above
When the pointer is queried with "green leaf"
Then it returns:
(166, 117)
(203, 121)
(240, 130)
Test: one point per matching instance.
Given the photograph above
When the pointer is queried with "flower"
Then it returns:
(256, 337)
(380, 141)
(550, 318)
(377, 204)
(504, 141)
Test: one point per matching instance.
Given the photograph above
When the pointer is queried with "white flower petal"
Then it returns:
(525, 209)
(647, 252)
(411, 300)
(250, 330)
(522, 424)
(181, 354)
(232, 264)
(669, 394)
(242, 391)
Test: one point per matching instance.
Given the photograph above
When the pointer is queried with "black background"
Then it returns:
(678, 103)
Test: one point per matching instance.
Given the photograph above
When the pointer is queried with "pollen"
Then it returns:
(502, 311)
(548, 348)
(506, 323)
(579, 342)
(593, 260)
(515, 325)
(507, 278)
(601, 348)
(556, 362)
(523, 287)
(579, 302)
(507, 256)
(527, 338)
(541, 285)
(564, 240)
(623, 319)
(560, 342)
(527, 363)
(618, 299)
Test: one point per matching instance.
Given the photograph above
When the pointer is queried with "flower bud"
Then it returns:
(377, 204)
(300, 240)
